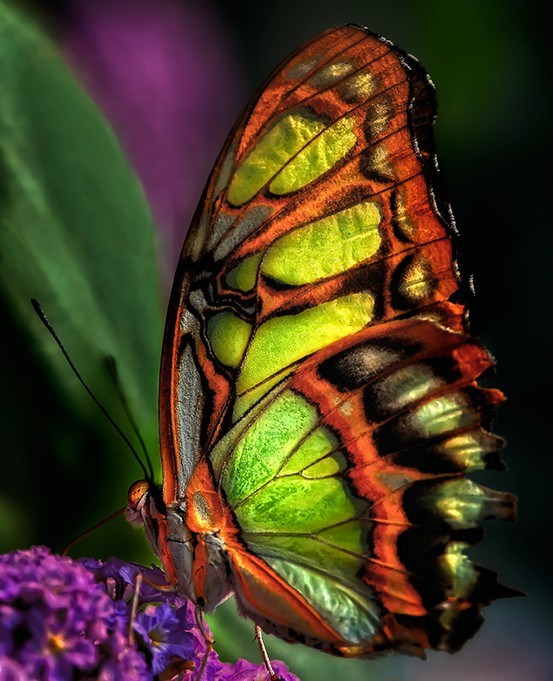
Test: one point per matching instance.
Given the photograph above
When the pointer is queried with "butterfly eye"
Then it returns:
(137, 495)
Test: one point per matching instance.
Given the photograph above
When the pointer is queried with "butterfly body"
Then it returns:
(319, 408)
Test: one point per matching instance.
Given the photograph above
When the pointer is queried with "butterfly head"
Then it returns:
(137, 499)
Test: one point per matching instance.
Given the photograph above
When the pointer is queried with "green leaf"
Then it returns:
(75, 233)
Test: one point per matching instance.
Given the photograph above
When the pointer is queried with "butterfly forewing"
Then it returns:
(316, 368)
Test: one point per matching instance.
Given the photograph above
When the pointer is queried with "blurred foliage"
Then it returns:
(75, 232)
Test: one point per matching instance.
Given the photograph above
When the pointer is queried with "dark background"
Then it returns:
(488, 61)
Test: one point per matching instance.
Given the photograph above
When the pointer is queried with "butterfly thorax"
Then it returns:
(189, 535)
(204, 511)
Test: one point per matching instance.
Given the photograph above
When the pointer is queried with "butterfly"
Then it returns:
(319, 406)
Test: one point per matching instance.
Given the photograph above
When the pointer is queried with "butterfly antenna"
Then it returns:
(44, 319)
(92, 529)
(111, 365)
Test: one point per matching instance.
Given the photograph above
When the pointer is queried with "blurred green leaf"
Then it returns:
(75, 233)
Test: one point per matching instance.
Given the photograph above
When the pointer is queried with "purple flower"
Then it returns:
(125, 663)
(59, 622)
(56, 614)
(119, 578)
(212, 665)
(164, 631)
(62, 619)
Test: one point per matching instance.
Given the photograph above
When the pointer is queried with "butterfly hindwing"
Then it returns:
(330, 476)
(316, 370)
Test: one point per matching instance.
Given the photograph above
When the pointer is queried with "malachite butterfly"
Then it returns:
(319, 405)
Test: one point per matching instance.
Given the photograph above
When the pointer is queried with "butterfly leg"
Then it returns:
(140, 578)
(207, 638)
(134, 607)
(166, 588)
(273, 676)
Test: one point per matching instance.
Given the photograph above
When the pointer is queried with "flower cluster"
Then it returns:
(62, 619)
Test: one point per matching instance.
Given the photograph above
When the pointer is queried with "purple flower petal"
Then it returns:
(119, 578)
(129, 665)
(11, 671)
(243, 670)
(163, 632)
(10, 619)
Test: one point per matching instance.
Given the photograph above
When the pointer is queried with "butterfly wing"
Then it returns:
(348, 480)
(316, 368)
